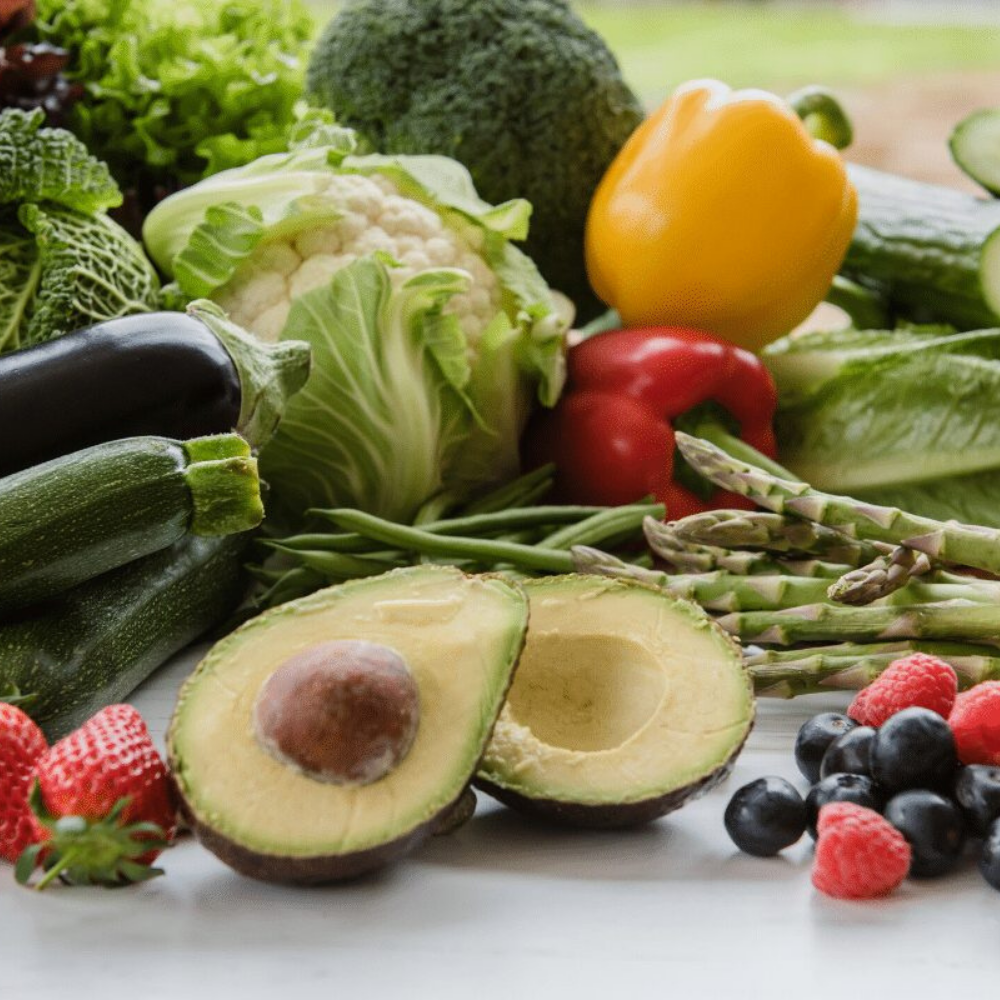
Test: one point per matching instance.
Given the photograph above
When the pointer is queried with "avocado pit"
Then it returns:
(343, 712)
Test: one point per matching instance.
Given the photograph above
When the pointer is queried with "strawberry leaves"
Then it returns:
(79, 851)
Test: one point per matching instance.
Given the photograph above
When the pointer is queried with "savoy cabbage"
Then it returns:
(64, 263)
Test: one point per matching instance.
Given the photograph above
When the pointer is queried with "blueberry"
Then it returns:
(934, 827)
(914, 749)
(977, 791)
(856, 788)
(765, 816)
(849, 754)
(814, 737)
(989, 860)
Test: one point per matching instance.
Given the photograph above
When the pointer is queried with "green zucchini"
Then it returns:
(932, 253)
(93, 645)
(79, 516)
(975, 147)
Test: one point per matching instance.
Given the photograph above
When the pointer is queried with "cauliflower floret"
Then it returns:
(351, 226)
(440, 252)
(356, 193)
(272, 321)
(403, 215)
(376, 218)
(371, 240)
(324, 239)
(415, 260)
(253, 291)
(280, 257)
(315, 271)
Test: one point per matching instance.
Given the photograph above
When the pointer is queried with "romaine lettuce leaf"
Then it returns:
(803, 362)
(908, 419)
(971, 499)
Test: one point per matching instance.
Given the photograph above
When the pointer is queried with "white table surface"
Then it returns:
(507, 908)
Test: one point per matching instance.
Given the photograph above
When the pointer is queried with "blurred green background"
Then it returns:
(907, 70)
(783, 45)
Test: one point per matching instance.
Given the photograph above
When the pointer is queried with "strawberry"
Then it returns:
(859, 854)
(21, 744)
(103, 802)
(975, 723)
(915, 681)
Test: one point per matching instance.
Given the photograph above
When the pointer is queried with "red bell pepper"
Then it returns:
(611, 435)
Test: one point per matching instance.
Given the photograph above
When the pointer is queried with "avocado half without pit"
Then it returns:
(626, 704)
(334, 733)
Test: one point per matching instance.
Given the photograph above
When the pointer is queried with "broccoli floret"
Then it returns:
(520, 91)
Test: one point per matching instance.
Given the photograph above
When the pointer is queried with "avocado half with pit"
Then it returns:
(333, 734)
(626, 704)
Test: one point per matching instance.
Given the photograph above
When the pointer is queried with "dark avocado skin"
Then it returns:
(317, 869)
(326, 868)
(611, 816)
(456, 816)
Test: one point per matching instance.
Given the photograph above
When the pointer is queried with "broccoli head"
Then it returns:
(520, 91)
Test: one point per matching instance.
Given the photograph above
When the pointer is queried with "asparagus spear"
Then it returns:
(714, 591)
(775, 532)
(788, 673)
(955, 619)
(947, 541)
(732, 592)
(881, 577)
(690, 557)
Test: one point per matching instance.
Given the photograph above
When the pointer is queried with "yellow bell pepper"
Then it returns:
(723, 212)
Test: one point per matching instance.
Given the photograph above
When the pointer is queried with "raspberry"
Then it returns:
(975, 722)
(859, 855)
(915, 681)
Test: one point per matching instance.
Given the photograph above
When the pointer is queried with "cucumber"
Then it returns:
(76, 517)
(930, 252)
(93, 645)
(975, 147)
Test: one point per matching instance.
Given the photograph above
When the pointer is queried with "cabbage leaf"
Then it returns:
(390, 405)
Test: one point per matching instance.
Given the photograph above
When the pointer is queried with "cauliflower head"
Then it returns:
(432, 334)
(376, 218)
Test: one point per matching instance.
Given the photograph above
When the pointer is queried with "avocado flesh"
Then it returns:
(627, 703)
(460, 637)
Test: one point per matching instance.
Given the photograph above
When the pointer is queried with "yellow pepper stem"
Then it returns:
(823, 116)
